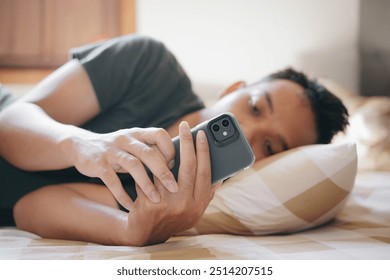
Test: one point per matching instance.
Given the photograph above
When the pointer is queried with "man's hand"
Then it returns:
(127, 150)
(151, 223)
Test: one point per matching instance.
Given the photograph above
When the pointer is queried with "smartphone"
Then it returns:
(230, 151)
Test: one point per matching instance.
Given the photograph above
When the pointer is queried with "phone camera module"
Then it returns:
(216, 127)
(223, 130)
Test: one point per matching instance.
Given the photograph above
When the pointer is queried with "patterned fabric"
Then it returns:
(360, 231)
(291, 191)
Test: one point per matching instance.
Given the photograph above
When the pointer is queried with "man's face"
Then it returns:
(274, 115)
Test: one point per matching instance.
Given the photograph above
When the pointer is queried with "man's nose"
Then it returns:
(253, 132)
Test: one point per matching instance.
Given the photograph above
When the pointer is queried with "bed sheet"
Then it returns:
(360, 231)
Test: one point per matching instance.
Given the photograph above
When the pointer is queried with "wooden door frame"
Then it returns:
(10, 75)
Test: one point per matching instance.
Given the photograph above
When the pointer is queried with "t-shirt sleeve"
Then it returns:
(118, 66)
(138, 83)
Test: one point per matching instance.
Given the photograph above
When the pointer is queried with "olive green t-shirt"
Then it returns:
(138, 82)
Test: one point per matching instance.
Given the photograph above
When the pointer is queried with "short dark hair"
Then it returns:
(330, 113)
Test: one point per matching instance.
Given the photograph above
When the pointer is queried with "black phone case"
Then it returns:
(227, 158)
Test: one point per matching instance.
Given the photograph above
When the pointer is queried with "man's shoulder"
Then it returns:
(133, 43)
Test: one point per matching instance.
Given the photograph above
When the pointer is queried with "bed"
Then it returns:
(360, 230)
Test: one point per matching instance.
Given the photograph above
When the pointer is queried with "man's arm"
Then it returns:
(85, 212)
(32, 128)
(40, 132)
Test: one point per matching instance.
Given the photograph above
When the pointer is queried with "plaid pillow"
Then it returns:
(290, 191)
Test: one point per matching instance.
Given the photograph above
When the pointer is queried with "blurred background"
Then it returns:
(217, 42)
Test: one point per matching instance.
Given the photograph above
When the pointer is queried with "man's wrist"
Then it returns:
(69, 143)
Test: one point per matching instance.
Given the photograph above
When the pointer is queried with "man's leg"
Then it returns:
(73, 211)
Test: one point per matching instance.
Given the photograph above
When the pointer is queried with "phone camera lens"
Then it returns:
(225, 123)
(216, 127)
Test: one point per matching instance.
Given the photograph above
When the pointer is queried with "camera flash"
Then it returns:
(224, 133)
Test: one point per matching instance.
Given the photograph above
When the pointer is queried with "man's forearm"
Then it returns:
(31, 140)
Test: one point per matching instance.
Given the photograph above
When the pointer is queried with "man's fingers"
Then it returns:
(160, 138)
(136, 169)
(203, 174)
(187, 169)
(111, 180)
(155, 161)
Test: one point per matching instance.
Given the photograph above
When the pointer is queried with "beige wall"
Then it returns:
(220, 41)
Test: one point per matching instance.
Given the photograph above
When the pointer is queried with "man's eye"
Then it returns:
(268, 150)
(255, 109)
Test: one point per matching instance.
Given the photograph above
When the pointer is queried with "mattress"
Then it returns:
(360, 231)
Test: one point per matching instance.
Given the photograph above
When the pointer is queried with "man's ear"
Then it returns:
(233, 87)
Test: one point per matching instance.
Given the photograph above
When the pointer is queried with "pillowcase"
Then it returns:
(291, 191)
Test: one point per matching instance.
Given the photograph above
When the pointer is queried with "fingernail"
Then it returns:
(202, 136)
(172, 186)
(184, 125)
(155, 197)
(171, 164)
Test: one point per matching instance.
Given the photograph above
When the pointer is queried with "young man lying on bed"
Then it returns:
(114, 108)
